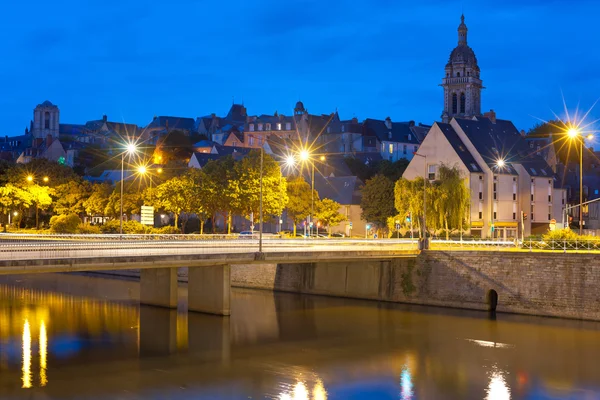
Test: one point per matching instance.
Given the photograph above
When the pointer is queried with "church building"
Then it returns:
(514, 192)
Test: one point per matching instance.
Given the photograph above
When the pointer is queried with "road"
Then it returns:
(45, 248)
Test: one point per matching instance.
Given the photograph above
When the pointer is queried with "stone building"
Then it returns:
(462, 84)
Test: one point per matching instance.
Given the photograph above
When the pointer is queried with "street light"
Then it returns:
(30, 178)
(306, 157)
(575, 134)
(130, 149)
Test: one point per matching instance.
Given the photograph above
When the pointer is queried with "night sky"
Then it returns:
(367, 58)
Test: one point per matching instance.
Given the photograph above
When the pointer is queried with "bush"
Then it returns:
(165, 230)
(134, 227)
(88, 229)
(64, 223)
(567, 234)
(111, 226)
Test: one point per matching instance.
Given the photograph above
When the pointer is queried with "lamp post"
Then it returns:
(306, 156)
(575, 134)
(30, 179)
(130, 149)
(424, 199)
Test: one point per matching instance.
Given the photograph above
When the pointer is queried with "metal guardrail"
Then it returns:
(517, 245)
(56, 249)
(473, 244)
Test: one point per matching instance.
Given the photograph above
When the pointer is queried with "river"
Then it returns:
(77, 336)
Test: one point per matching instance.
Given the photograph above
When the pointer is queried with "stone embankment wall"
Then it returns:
(559, 285)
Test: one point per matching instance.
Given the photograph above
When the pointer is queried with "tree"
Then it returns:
(178, 195)
(40, 196)
(246, 186)
(221, 196)
(175, 145)
(299, 200)
(71, 197)
(96, 203)
(328, 213)
(13, 198)
(392, 170)
(450, 199)
(408, 198)
(377, 201)
(132, 201)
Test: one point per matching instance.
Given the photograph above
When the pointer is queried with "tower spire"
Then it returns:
(462, 31)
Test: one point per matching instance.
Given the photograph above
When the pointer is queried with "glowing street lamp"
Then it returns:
(142, 169)
(29, 178)
(575, 134)
(290, 161)
(130, 149)
(305, 156)
(500, 163)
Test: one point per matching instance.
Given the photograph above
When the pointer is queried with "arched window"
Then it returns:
(458, 74)
(47, 120)
(454, 103)
(462, 103)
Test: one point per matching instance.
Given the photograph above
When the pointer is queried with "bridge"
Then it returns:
(209, 260)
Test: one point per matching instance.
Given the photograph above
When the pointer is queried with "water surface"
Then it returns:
(70, 336)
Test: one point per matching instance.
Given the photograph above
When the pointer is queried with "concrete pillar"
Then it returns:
(158, 331)
(209, 289)
(158, 287)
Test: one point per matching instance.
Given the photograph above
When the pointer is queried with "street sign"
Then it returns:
(350, 224)
(397, 227)
(147, 215)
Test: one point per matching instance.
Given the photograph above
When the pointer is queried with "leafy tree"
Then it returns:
(71, 197)
(392, 170)
(66, 223)
(246, 186)
(41, 197)
(299, 200)
(328, 213)
(13, 198)
(408, 198)
(178, 195)
(132, 201)
(96, 203)
(450, 199)
(220, 196)
(39, 168)
(360, 169)
(377, 201)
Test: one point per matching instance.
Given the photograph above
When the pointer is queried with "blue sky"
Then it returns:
(133, 59)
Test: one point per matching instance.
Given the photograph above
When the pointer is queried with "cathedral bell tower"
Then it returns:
(462, 85)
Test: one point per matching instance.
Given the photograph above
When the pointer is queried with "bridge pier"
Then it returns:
(158, 287)
(209, 289)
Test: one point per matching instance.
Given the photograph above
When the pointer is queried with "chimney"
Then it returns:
(388, 123)
(355, 120)
(48, 140)
(491, 115)
(104, 118)
(523, 132)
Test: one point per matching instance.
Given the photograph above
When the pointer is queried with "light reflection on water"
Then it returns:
(329, 348)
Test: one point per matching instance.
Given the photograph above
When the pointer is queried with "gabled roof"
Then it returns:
(463, 153)
(181, 123)
(237, 113)
(400, 132)
(71, 129)
(204, 158)
(502, 141)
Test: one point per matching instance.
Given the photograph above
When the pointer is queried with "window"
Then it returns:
(251, 141)
(432, 172)
(463, 102)
(278, 126)
(544, 173)
(47, 120)
(343, 128)
(260, 126)
(549, 212)
(404, 149)
(494, 214)
(514, 215)
(480, 215)
(391, 149)
(480, 195)
(480, 177)
(251, 126)
(596, 191)
(454, 103)
(514, 196)
(288, 126)
(458, 74)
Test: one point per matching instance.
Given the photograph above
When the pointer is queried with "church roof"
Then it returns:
(47, 104)
(400, 131)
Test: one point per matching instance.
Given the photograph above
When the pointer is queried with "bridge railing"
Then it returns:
(472, 244)
(582, 246)
(22, 250)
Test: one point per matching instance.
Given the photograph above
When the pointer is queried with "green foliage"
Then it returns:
(71, 197)
(176, 145)
(88, 229)
(39, 168)
(67, 223)
(132, 201)
(165, 230)
(97, 201)
(218, 196)
(298, 206)
(179, 195)
(134, 227)
(111, 226)
(377, 201)
(408, 197)
(567, 234)
(245, 187)
(328, 213)
(450, 199)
